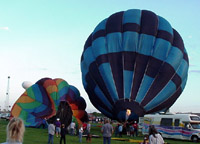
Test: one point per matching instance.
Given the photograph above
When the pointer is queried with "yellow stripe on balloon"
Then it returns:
(25, 99)
(16, 111)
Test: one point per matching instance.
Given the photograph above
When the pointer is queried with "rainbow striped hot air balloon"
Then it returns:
(41, 100)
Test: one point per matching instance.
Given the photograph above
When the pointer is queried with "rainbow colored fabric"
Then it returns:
(42, 99)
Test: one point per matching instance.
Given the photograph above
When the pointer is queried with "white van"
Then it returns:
(176, 126)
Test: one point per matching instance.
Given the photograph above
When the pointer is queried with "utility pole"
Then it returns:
(7, 95)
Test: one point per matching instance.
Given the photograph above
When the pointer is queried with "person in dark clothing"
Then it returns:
(63, 133)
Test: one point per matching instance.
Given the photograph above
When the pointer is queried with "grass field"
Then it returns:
(40, 136)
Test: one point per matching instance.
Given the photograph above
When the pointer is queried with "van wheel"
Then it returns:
(195, 139)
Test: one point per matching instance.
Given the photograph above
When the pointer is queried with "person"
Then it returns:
(135, 126)
(145, 140)
(131, 130)
(58, 125)
(154, 136)
(80, 133)
(15, 131)
(88, 127)
(120, 129)
(107, 131)
(127, 129)
(116, 130)
(63, 133)
(51, 132)
(72, 126)
(89, 138)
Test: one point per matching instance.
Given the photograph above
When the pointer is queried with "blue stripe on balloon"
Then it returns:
(164, 25)
(37, 93)
(31, 119)
(105, 112)
(40, 108)
(100, 26)
(128, 78)
(106, 73)
(114, 42)
(164, 94)
(147, 47)
(130, 41)
(88, 56)
(99, 47)
(63, 91)
(161, 49)
(102, 97)
(145, 85)
(84, 69)
(132, 16)
(183, 68)
(174, 57)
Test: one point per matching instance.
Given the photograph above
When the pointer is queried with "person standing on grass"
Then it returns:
(120, 129)
(72, 126)
(80, 133)
(51, 132)
(15, 131)
(58, 125)
(107, 131)
(135, 125)
(63, 133)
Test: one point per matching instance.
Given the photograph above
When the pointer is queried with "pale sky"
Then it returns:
(45, 38)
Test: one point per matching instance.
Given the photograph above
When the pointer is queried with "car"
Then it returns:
(5, 116)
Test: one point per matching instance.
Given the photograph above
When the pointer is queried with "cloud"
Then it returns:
(194, 71)
(4, 28)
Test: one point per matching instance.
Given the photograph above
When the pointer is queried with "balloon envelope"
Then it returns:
(43, 99)
(134, 60)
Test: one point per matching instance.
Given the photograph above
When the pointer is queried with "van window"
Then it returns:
(195, 118)
(166, 122)
(176, 122)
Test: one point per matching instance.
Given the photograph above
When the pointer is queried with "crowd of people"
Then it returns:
(16, 129)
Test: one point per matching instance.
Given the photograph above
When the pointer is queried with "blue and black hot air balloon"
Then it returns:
(134, 60)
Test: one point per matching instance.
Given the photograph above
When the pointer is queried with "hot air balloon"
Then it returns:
(48, 99)
(134, 60)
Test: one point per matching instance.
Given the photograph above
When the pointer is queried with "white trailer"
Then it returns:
(176, 126)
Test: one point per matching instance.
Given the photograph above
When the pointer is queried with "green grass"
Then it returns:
(40, 136)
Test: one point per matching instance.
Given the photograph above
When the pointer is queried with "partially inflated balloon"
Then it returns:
(134, 60)
(43, 100)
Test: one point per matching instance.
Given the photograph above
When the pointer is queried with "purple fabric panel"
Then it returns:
(100, 33)
(177, 41)
(153, 67)
(177, 80)
(165, 74)
(185, 57)
(129, 60)
(131, 27)
(114, 23)
(92, 96)
(165, 35)
(149, 23)
(140, 66)
(168, 103)
(116, 63)
(96, 77)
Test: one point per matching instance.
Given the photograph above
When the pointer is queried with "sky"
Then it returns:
(45, 38)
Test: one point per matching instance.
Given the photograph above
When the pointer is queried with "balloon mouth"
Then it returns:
(127, 110)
